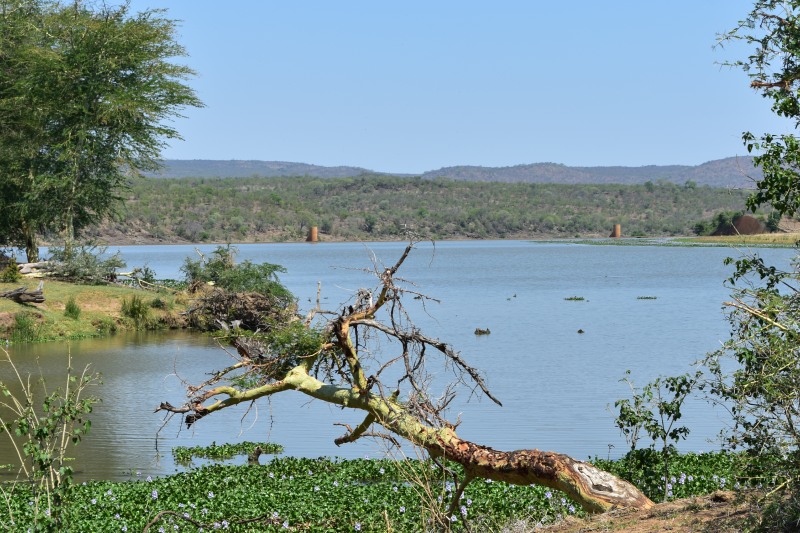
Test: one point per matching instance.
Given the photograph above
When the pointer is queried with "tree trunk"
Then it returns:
(31, 246)
(594, 489)
(24, 295)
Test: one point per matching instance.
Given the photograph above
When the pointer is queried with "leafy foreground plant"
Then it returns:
(297, 494)
(339, 362)
(756, 374)
(40, 440)
(655, 410)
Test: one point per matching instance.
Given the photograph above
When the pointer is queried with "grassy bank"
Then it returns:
(786, 240)
(72, 311)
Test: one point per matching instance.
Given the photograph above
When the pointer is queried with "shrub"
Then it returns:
(222, 270)
(137, 310)
(10, 273)
(25, 328)
(85, 263)
(72, 310)
(755, 375)
(40, 439)
(248, 294)
(105, 325)
(158, 303)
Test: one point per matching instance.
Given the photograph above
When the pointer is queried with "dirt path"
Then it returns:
(720, 512)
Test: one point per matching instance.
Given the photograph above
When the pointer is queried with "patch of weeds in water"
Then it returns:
(300, 494)
(221, 452)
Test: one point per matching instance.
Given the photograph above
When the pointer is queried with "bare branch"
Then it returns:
(416, 336)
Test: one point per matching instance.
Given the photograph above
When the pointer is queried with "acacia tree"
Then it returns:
(772, 29)
(18, 131)
(86, 103)
(344, 358)
(756, 373)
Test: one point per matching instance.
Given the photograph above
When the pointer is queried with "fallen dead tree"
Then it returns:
(339, 357)
(24, 295)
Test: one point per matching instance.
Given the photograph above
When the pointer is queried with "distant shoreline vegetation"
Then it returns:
(374, 208)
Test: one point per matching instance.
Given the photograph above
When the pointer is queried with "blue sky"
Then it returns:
(418, 85)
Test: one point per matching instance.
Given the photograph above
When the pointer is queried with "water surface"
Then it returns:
(556, 384)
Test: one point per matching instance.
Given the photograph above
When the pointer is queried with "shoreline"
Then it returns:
(782, 240)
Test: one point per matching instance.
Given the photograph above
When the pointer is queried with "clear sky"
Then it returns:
(418, 85)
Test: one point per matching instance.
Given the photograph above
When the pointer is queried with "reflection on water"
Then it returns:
(555, 384)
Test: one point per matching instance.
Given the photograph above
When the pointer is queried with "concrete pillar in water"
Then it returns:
(617, 232)
(313, 235)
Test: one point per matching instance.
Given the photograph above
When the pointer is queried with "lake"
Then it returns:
(556, 385)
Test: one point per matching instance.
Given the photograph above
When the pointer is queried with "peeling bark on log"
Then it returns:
(23, 295)
(596, 490)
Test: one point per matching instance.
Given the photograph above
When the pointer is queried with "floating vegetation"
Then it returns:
(299, 494)
(220, 452)
(575, 299)
(647, 297)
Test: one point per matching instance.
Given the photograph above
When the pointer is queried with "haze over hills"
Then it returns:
(731, 172)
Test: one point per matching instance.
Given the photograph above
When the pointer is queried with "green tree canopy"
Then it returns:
(86, 97)
(772, 30)
(756, 373)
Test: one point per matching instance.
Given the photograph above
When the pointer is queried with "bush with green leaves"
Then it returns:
(72, 309)
(756, 375)
(86, 263)
(10, 272)
(137, 310)
(25, 327)
(40, 439)
(222, 270)
(655, 410)
(247, 295)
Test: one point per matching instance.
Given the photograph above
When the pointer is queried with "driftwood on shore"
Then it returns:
(23, 295)
(33, 269)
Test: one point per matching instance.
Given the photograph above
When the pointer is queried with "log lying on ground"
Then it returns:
(27, 269)
(23, 295)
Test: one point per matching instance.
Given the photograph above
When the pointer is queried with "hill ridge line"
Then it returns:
(732, 172)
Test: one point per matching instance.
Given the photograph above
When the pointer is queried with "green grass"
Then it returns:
(72, 311)
(338, 495)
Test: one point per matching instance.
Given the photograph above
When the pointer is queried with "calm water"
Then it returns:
(556, 385)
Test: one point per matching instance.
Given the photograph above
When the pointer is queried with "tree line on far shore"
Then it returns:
(384, 208)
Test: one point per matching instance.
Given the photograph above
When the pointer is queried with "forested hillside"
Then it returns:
(382, 208)
(734, 172)
(731, 172)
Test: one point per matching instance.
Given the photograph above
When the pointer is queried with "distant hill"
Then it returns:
(735, 172)
(212, 168)
(731, 172)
